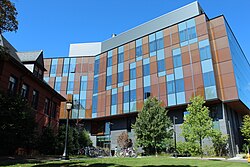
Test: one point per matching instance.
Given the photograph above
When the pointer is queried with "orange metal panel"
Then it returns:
(185, 58)
(195, 55)
(153, 67)
(198, 81)
(162, 89)
(226, 67)
(175, 38)
(154, 79)
(196, 68)
(139, 105)
(188, 83)
(201, 29)
(230, 93)
(200, 19)
(224, 54)
(154, 90)
(228, 80)
(139, 94)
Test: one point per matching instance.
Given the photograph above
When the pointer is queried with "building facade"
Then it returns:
(173, 57)
(21, 73)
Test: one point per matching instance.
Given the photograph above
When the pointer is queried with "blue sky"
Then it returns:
(51, 25)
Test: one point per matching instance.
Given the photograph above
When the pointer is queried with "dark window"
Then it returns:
(160, 44)
(132, 95)
(114, 99)
(161, 65)
(70, 86)
(152, 46)
(35, 97)
(94, 105)
(53, 110)
(109, 61)
(129, 124)
(138, 51)
(46, 106)
(205, 53)
(209, 79)
(146, 92)
(191, 33)
(120, 57)
(25, 91)
(146, 69)
(65, 68)
(96, 70)
(126, 97)
(183, 35)
(120, 77)
(52, 69)
(132, 73)
(12, 85)
(179, 85)
(109, 80)
(95, 90)
(170, 87)
(177, 60)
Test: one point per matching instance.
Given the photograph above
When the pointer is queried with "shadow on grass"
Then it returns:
(77, 164)
(169, 166)
(9, 162)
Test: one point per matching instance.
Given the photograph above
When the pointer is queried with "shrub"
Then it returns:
(208, 150)
(220, 143)
(187, 148)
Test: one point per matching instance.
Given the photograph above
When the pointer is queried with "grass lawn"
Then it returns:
(127, 162)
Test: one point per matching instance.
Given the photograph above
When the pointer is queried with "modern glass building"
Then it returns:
(173, 57)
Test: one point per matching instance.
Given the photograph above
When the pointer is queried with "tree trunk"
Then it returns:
(156, 153)
(201, 148)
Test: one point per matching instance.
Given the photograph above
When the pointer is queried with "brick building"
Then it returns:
(22, 73)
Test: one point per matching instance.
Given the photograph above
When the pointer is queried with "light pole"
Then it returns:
(110, 124)
(175, 153)
(65, 153)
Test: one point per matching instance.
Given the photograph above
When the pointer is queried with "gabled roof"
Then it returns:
(31, 57)
(10, 49)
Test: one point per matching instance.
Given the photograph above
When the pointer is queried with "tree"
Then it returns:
(84, 139)
(17, 124)
(219, 143)
(122, 139)
(47, 141)
(8, 14)
(152, 126)
(198, 124)
(245, 128)
(76, 139)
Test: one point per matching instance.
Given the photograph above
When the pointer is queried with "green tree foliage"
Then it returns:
(187, 148)
(245, 128)
(84, 139)
(8, 14)
(198, 124)
(219, 143)
(76, 139)
(152, 126)
(47, 142)
(17, 124)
